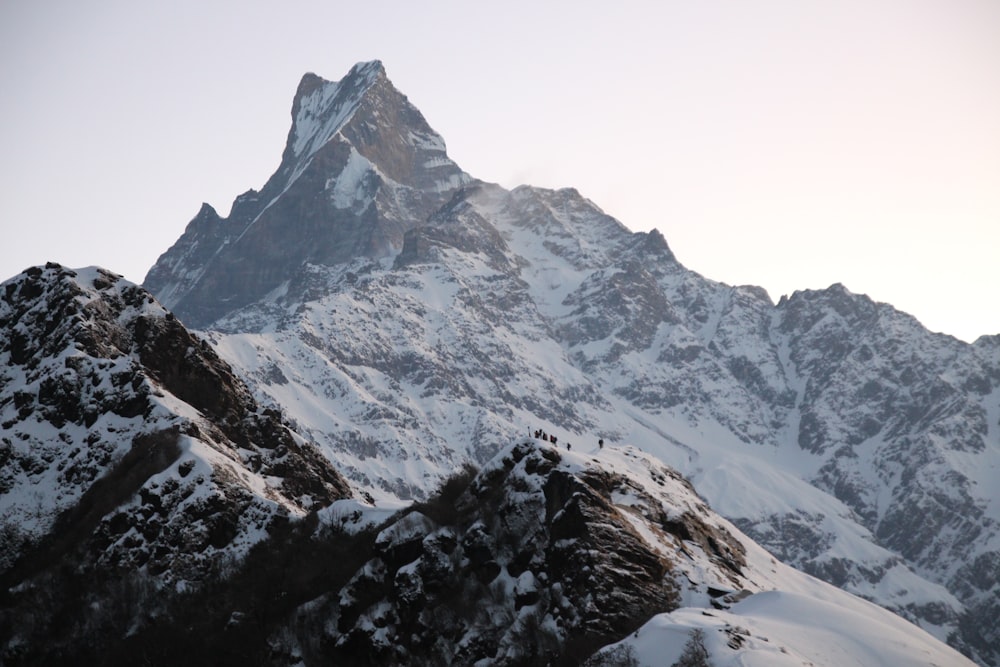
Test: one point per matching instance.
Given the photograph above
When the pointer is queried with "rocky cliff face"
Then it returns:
(536, 561)
(132, 459)
(906, 425)
(360, 167)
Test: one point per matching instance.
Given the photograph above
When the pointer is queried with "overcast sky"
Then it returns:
(787, 144)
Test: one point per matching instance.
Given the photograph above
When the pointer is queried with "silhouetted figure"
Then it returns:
(600, 443)
(568, 447)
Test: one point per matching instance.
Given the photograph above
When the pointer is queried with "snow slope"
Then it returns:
(782, 629)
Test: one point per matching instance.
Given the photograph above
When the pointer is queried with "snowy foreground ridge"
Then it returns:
(782, 617)
(735, 601)
(312, 437)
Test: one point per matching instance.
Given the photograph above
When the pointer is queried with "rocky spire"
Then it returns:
(360, 167)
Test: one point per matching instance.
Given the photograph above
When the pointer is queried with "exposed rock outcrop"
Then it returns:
(128, 449)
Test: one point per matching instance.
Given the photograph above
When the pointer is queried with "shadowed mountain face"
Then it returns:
(409, 319)
(360, 168)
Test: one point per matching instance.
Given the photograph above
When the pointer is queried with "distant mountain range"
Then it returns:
(345, 461)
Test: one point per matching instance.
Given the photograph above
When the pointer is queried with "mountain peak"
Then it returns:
(362, 72)
(361, 166)
(321, 107)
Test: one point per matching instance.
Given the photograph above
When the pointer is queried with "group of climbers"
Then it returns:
(542, 435)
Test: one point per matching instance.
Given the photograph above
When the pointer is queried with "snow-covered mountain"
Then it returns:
(361, 164)
(836, 431)
(374, 312)
(131, 460)
(155, 512)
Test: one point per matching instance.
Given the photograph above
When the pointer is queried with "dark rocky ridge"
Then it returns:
(581, 575)
(127, 454)
(524, 563)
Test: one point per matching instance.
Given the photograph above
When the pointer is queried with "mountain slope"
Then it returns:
(540, 558)
(835, 430)
(131, 457)
(397, 363)
(548, 553)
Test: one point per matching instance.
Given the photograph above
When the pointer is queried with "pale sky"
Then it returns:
(789, 144)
